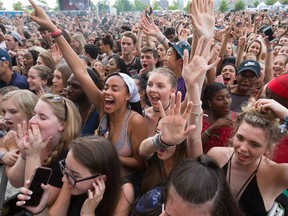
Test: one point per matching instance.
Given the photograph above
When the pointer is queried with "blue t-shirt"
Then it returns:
(16, 80)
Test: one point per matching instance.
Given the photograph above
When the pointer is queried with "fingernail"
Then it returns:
(28, 197)
(93, 184)
(30, 192)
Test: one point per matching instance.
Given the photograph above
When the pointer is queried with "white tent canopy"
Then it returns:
(262, 4)
(8, 4)
(277, 4)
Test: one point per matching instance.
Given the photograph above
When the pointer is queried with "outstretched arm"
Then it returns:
(194, 73)
(74, 62)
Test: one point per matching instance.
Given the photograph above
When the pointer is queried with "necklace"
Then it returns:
(164, 109)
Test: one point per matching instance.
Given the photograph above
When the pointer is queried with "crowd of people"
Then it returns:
(171, 114)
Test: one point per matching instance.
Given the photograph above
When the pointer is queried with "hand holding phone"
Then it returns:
(148, 13)
(41, 175)
(268, 31)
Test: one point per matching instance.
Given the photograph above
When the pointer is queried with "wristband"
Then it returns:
(56, 33)
(162, 41)
(158, 144)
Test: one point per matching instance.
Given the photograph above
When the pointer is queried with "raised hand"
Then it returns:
(56, 54)
(173, 125)
(39, 16)
(195, 70)
(94, 197)
(268, 105)
(202, 18)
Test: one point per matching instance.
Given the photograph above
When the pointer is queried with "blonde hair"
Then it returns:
(266, 121)
(66, 112)
(24, 99)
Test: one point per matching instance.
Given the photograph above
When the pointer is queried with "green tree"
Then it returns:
(123, 5)
(239, 5)
(270, 2)
(103, 7)
(173, 6)
(138, 5)
(284, 2)
(255, 3)
(2, 6)
(155, 5)
(43, 1)
(223, 6)
(17, 6)
(187, 7)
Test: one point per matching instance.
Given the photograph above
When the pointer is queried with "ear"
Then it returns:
(61, 127)
(180, 60)
(6, 63)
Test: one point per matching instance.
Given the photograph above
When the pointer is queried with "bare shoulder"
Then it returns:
(221, 154)
(128, 191)
(136, 119)
(149, 113)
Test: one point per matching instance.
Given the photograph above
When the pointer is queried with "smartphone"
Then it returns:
(40, 175)
(148, 13)
(269, 32)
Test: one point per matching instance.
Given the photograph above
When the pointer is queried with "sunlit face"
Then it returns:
(278, 65)
(12, 114)
(78, 171)
(28, 45)
(228, 73)
(57, 81)
(115, 94)
(254, 48)
(47, 122)
(34, 80)
(159, 88)
(249, 143)
(75, 44)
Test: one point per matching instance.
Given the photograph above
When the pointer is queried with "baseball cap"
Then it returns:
(4, 56)
(249, 65)
(180, 46)
(17, 36)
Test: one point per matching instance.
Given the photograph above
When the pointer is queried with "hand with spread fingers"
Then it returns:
(194, 71)
(173, 125)
(202, 18)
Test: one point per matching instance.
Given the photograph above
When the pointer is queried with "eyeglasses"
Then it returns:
(250, 78)
(57, 99)
(70, 178)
